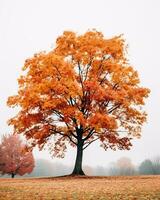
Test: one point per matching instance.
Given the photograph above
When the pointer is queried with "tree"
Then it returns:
(14, 159)
(125, 166)
(82, 91)
(150, 166)
(1, 163)
(156, 165)
(146, 167)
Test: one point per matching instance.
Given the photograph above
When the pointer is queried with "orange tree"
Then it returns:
(81, 91)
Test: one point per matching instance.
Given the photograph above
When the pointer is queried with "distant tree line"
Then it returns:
(122, 167)
(150, 166)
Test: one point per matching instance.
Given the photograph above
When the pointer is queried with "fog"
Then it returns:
(122, 167)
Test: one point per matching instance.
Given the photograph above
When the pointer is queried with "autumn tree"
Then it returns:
(14, 159)
(81, 91)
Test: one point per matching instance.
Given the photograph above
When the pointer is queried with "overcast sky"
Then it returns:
(30, 26)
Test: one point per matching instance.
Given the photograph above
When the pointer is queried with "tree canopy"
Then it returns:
(81, 91)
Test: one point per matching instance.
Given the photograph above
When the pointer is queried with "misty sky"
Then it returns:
(27, 27)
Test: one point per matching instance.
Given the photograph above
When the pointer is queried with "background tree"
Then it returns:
(1, 163)
(156, 165)
(123, 167)
(82, 91)
(13, 157)
(146, 167)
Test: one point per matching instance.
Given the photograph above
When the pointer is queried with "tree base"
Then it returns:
(12, 175)
(76, 173)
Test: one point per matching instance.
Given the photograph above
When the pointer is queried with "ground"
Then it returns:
(79, 188)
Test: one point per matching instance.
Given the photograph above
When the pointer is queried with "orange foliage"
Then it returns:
(84, 87)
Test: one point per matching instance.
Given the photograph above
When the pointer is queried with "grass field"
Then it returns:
(79, 188)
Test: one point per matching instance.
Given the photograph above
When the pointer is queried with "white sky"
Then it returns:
(27, 27)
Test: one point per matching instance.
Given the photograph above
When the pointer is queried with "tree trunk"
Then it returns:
(12, 175)
(78, 164)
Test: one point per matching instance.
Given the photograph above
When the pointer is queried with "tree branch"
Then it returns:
(66, 136)
(61, 116)
(73, 102)
(91, 132)
(80, 75)
(113, 108)
(88, 66)
(90, 143)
